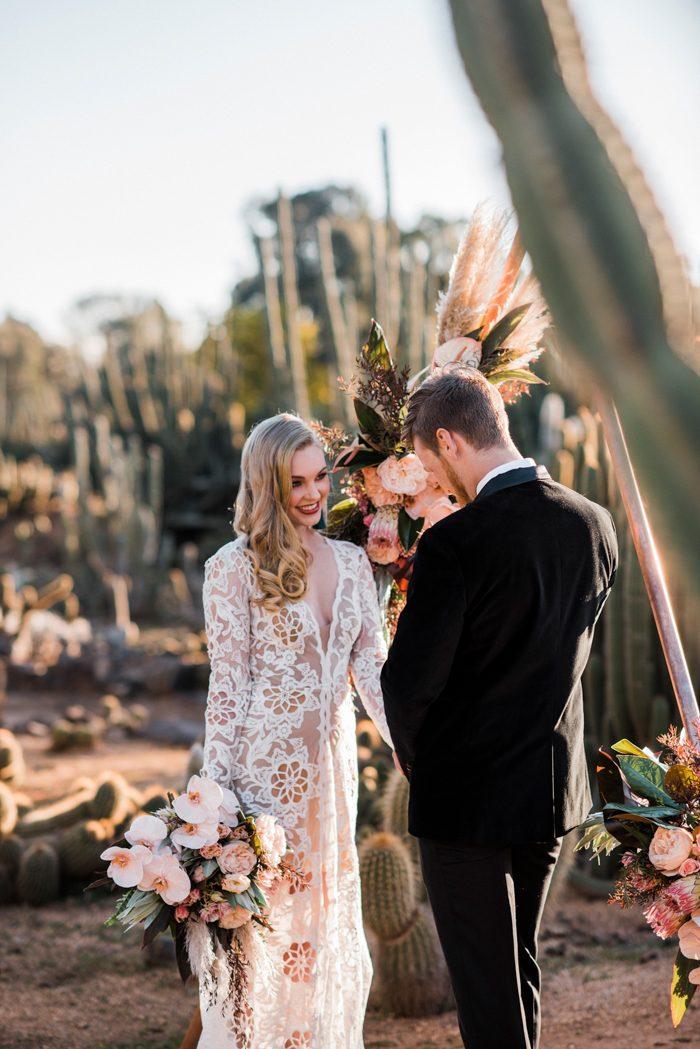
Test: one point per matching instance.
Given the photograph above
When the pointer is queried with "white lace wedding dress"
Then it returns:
(281, 734)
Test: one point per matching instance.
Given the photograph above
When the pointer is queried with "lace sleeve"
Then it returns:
(369, 651)
(226, 595)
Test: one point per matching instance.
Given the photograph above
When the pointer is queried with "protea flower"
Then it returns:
(383, 546)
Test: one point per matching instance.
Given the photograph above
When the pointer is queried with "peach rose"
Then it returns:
(210, 852)
(237, 858)
(378, 494)
(182, 913)
(689, 938)
(463, 349)
(694, 976)
(689, 866)
(234, 917)
(272, 838)
(440, 509)
(406, 476)
(235, 882)
(383, 546)
(418, 505)
(669, 848)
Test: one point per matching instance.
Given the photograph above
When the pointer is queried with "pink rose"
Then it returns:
(198, 873)
(266, 879)
(689, 938)
(237, 858)
(376, 491)
(182, 913)
(383, 546)
(272, 838)
(235, 882)
(209, 852)
(195, 894)
(234, 917)
(440, 509)
(689, 866)
(223, 830)
(406, 476)
(669, 847)
(694, 976)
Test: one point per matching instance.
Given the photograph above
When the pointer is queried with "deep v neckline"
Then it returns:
(325, 649)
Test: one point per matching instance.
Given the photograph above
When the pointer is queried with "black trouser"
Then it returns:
(488, 903)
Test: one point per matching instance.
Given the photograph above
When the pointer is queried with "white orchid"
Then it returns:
(165, 876)
(200, 802)
(230, 807)
(196, 835)
(149, 831)
(126, 866)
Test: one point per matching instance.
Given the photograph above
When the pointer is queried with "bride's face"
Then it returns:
(310, 486)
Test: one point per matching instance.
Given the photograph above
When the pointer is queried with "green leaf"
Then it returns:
(156, 923)
(370, 421)
(507, 324)
(409, 529)
(500, 375)
(209, 866)
(339, 512)
(357, 461)
(652, 813)
(375, 351)
(623, 746)
(597, 838)
(645, 777)
(609, 776)
(682, 990)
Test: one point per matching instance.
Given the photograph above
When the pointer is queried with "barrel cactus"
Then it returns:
(388, 885)
(411, 970)
(112, 800)
(38, 877)
(7, 884)
(11, 849)
(80, 847)
(63, 813)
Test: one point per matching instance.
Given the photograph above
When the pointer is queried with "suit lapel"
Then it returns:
(511, 478)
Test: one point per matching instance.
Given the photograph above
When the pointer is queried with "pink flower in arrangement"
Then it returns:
(193, 897)
(405, 476)
(147, 830)
(367, 520)
(198, 873)
(272, 838)
(235, 882)
(669, 848)
(182, 913)
(378, 494)
(165, 876)
(689, 866)
(223, 831)
(210, 852)
(237, 858)
(418, 505)
(200, 802)
(683, 894)
(240, 834)
(627, 859)
(126, 866)
(195, 835)
(210, 913)
(689, 938)
(440, 509)
(234, 917)
(383, 546)
(664, 918)
(694, 976)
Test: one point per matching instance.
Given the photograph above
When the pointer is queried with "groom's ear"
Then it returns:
(446, 442)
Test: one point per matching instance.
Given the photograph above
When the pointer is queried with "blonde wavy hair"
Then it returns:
(279, 559)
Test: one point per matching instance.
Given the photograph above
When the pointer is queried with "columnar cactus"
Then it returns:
(11, 758)
(63, 813)
(38, 877)
(80, 847)
(8, 810)
(388, 885)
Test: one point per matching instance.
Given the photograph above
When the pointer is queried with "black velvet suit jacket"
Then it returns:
(482, 686)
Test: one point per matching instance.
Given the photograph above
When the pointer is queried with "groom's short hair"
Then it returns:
(461, 400)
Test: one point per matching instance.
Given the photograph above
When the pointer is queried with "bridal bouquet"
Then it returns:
(203, 870)
(651, 808)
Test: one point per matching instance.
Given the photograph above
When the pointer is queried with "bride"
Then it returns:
(290, 615)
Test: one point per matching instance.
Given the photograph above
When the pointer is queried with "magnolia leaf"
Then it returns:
(409, 530)
(339, 512)
(507, 324)
(609, 776)
(623, 746)
(371, 422)
(682, 990)
(652, 813)
(356, 459)
(375, 351)
(500, 375)
(155, 924)
(645, 777)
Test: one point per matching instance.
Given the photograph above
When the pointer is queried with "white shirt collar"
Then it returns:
(514, 464)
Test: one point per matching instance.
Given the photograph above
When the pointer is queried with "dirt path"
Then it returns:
(67, 982)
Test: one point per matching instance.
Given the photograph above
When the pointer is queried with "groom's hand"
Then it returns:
(397, 763)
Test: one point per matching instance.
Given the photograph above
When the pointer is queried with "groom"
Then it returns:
(482, 690)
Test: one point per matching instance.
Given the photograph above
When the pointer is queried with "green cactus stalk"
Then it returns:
(11, 849)
(62, 813)
(154, 798)
(413, 980)
(112, 800)
(39, 877)
(80, 847)
(388, 885)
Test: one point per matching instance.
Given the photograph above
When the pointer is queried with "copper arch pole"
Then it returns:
(652, 570)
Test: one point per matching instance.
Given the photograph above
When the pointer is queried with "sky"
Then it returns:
(136, 131)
